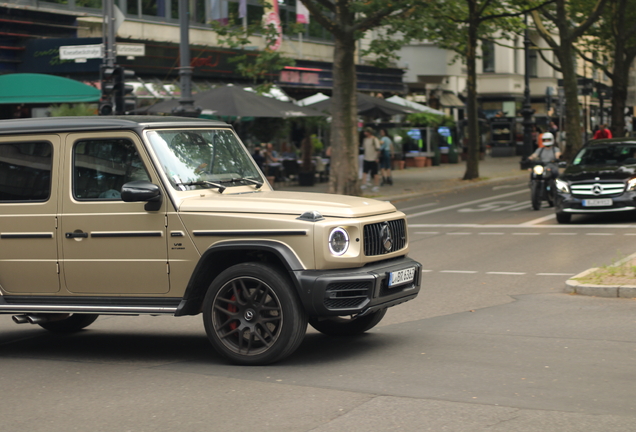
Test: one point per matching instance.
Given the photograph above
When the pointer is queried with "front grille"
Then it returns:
(597, 189)
(375, 236)
(347, 295)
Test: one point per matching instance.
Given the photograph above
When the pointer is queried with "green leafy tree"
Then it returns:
(569, 25)
(348, 20)
(614, 35)
(459, 26)
(66, 110)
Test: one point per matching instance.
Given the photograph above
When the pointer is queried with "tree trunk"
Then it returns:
(474, 137)
(574, 138)
(343, 178)
(619, 97)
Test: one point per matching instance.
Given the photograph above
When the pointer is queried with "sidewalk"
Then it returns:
(413, 182)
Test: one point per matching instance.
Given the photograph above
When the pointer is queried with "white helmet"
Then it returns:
(548, 139)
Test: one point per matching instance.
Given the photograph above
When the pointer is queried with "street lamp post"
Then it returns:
(527, 111)
(186, 103)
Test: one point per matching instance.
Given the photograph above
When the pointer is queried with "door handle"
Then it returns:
(76, 235)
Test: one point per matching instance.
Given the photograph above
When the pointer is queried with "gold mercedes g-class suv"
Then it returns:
(171, 216)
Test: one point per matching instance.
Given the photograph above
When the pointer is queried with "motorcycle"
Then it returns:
(541, 183)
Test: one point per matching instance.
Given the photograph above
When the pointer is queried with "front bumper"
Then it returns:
(566, 203)
(356, 291)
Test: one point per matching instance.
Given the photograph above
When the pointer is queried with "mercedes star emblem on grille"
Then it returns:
(386, 237)
(597, 189)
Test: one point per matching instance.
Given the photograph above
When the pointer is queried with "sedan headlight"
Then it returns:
(538, 169)
(562, 186)
(338, 241)
(631, 184)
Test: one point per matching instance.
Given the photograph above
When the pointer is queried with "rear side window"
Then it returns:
(25, 171)
(102, 166)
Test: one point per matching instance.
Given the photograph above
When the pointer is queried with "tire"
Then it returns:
(563, 218)
(252, 315)
(339, 326)
(535, 195)
(72, 324)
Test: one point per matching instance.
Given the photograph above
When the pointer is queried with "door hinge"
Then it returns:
(58, 267)
(168, 267)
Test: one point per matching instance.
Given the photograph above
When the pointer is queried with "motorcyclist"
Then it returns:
(548, 154)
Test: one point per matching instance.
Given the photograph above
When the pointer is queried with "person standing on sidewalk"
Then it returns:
(371, 146)
(386, 154)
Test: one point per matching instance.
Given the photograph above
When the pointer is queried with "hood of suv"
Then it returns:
(294, 203)
(602, 172)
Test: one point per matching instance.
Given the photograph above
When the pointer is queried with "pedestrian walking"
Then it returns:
(386, 154)
(371, 146)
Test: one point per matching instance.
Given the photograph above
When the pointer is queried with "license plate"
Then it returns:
(401, 276)
(597, 202)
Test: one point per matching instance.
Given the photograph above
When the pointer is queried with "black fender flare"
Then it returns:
(204, 273)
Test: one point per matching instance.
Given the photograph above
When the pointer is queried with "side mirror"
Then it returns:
(140, 191)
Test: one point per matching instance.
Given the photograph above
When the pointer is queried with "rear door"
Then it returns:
(28, 207)
(110, 247)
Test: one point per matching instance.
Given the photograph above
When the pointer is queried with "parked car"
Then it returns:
(171, 216)
(600, 179)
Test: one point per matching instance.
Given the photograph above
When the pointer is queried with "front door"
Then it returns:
(28, 207)
(110, 246)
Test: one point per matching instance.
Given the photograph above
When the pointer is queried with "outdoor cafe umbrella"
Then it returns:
(369, 106)
(234, 101)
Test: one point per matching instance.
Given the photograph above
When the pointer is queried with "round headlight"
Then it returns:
(338, 241)
(538, 169)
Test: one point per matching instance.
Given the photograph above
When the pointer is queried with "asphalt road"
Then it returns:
(491, 344)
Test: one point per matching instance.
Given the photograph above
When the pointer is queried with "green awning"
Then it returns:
(29, 88)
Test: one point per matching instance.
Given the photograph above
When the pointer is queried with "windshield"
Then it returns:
(607, 155)
(194, 159)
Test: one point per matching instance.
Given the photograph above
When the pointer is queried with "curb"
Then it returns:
(572, 286)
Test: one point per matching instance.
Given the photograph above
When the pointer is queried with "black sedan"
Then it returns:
(600, 179)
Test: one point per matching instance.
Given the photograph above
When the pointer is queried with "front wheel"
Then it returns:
(535, 194)
(252, 316)
(339, 326)
(71, 324)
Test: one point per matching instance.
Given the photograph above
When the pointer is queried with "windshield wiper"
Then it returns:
(238, 179)
(221, 188)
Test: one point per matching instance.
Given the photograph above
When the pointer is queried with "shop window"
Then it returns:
(488, 56)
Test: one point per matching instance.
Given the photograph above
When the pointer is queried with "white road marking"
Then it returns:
(526, 233)
(600, 234)
(491, 233)
(458, 233)
(464, 204)
(506, 273)
(458, 271)
(541, 219)
(556, 274)
(427, 232)
(525, 185)
(514, 207)
(570, 234)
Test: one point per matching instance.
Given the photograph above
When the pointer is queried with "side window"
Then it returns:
(25, 171)
(102, 166)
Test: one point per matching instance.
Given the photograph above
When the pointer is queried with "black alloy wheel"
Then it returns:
(71, 324)
(341, 326)
(252, 316)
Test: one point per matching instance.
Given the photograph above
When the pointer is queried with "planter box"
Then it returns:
(398, 164)
(420, 161)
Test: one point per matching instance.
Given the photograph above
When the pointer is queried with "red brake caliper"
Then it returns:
(232, 308)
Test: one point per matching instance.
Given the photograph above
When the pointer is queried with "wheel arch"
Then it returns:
(222, 256)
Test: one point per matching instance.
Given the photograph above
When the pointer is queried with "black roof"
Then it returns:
(73, 124)
(610, 141)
